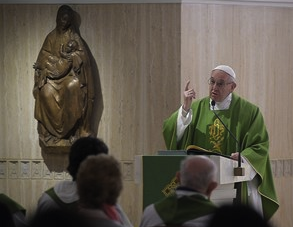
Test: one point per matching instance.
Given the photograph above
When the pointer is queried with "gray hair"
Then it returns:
(197, 172)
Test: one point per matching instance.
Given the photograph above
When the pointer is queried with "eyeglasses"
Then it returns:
(219, 83)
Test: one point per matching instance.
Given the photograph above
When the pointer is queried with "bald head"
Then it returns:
(198, 173)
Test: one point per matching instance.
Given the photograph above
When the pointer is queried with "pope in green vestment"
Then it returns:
(244, 120)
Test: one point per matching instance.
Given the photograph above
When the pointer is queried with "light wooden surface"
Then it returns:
(145, 54)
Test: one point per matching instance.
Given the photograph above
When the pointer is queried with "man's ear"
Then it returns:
(211, 188)
(178, 177)
(234, 85)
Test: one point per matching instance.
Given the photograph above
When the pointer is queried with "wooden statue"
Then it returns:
(64, 89)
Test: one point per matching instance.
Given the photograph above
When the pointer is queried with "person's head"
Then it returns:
(99, 181)
(222, 82)
(65, 17)
(71, 46)
(198, 172)
(237, 215)
(82, 148)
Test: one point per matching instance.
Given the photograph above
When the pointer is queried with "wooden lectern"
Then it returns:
(156, 175)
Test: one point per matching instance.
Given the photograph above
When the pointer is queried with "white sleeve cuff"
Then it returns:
(183, 122)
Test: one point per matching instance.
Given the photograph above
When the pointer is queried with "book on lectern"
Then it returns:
(196, 150)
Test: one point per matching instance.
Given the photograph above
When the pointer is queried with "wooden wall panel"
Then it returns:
(135, 46)
(256, 42)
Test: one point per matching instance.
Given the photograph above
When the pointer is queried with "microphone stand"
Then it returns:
(238, 171)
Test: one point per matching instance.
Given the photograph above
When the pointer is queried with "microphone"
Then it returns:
(238, 171)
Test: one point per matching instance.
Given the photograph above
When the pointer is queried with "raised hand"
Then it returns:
(188, 95)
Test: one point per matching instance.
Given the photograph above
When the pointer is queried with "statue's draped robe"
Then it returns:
(61, 103)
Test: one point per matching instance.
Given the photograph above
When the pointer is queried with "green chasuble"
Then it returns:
(246, 122)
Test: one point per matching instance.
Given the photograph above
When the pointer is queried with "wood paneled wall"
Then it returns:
(145, 54)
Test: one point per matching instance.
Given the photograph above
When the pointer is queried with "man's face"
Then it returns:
(220, 85)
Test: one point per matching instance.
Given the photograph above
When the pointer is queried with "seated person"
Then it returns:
(190, 205)
(239, 215)
(57, 218)
(99, 183)
(64, 194)
(15, 213)
(6, 217)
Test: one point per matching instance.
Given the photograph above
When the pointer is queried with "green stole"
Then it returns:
(246, 122)
(61, 204)
(176, 211)
(11, 204)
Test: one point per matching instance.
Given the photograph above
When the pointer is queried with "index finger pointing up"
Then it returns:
(187, 86)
